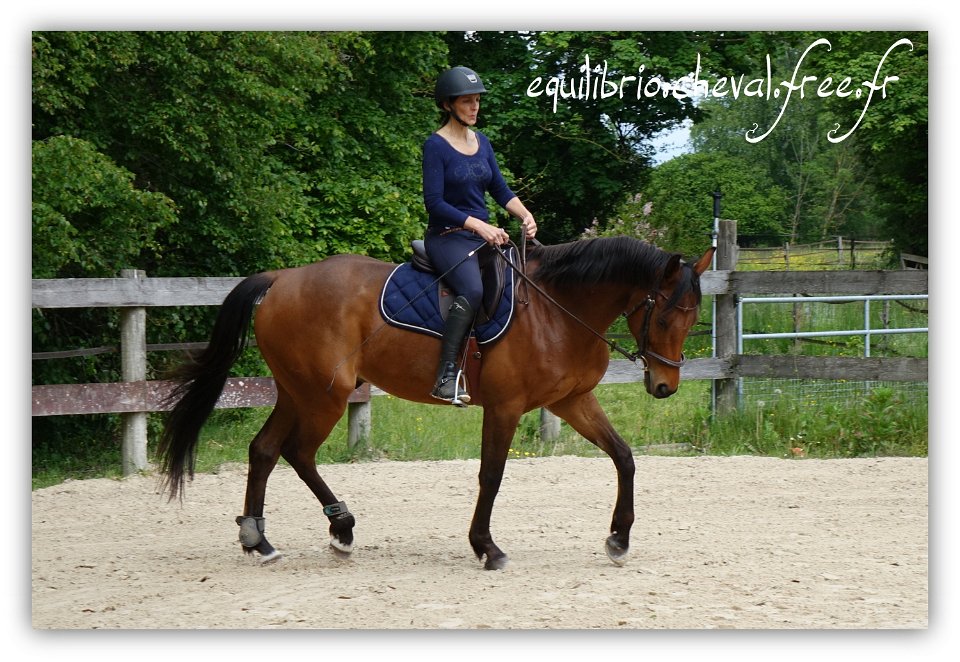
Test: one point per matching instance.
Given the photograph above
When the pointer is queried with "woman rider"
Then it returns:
(459, 167)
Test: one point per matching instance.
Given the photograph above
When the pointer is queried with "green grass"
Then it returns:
(878, 422)
(72, 451)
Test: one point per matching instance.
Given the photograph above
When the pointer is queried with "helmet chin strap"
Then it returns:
(454, 115)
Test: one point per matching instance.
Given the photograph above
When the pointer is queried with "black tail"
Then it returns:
(201, 382)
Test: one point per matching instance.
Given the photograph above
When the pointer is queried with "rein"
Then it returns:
(648, 304)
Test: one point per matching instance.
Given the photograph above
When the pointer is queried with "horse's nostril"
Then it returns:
(662, 391)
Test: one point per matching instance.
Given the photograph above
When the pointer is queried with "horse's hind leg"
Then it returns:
(300, 450)
(263, 455)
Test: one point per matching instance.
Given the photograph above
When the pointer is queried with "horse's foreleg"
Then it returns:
(498, 430)
(585, 415)
(301, 452)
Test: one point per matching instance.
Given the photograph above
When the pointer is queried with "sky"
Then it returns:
(672, 143)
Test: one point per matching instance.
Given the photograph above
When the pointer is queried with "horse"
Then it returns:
(319, 329)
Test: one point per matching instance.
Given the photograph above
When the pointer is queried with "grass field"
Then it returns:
(878, 421)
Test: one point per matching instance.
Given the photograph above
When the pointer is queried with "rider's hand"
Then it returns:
(489, 233)
(529, 226)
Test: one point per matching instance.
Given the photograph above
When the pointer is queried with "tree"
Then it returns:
(680, 194)
(892, 136)
(81, 198)
(870, 183)
(829, 188)
(277, 148)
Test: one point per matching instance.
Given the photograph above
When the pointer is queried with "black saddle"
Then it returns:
(493, 275)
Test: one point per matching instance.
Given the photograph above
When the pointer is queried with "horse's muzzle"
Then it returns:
(663, 391)
(658, 390)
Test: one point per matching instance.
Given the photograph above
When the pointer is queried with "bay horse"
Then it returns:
(321, 334)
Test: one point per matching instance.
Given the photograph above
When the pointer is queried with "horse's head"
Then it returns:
(661, 318)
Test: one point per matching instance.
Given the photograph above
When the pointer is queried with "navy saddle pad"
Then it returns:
(413, 299)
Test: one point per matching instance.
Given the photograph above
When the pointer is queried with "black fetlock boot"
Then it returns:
(458, 325)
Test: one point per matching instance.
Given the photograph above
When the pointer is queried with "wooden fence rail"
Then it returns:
(134, 293)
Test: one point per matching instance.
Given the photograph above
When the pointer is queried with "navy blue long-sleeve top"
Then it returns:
(454, 183)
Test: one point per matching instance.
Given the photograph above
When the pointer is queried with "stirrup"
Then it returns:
(460, 397)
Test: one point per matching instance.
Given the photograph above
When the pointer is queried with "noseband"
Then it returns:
(643, 351)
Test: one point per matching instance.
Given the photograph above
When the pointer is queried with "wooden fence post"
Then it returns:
(726, 312)
(133, 368)
(549, 425)
(358, 420)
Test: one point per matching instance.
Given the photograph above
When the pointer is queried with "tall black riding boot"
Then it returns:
(458, 325)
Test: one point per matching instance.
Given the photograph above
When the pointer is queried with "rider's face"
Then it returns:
(467, 107)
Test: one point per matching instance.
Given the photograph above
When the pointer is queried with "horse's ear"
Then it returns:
(672, 267)
(704, 261)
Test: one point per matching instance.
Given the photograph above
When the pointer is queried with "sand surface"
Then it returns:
(718, 543)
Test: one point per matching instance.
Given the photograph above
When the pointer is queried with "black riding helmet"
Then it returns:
(455, 83)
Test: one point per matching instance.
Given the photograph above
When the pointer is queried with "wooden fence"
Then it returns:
(839, 253)
(133, 293)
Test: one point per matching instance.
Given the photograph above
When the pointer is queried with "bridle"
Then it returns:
(648, 304)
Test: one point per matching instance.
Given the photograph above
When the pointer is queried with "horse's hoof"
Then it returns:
(497, 562)
(340, 550)
(616, 552)
(265, 551)
(271, 557)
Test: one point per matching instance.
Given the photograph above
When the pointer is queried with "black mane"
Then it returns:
(614, 260)
(596, 261)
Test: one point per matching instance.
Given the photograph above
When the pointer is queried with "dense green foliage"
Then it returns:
(892, 139)
(749, 195)
(227, 153)
(872, 184)
(80, 196)
(277, 149)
